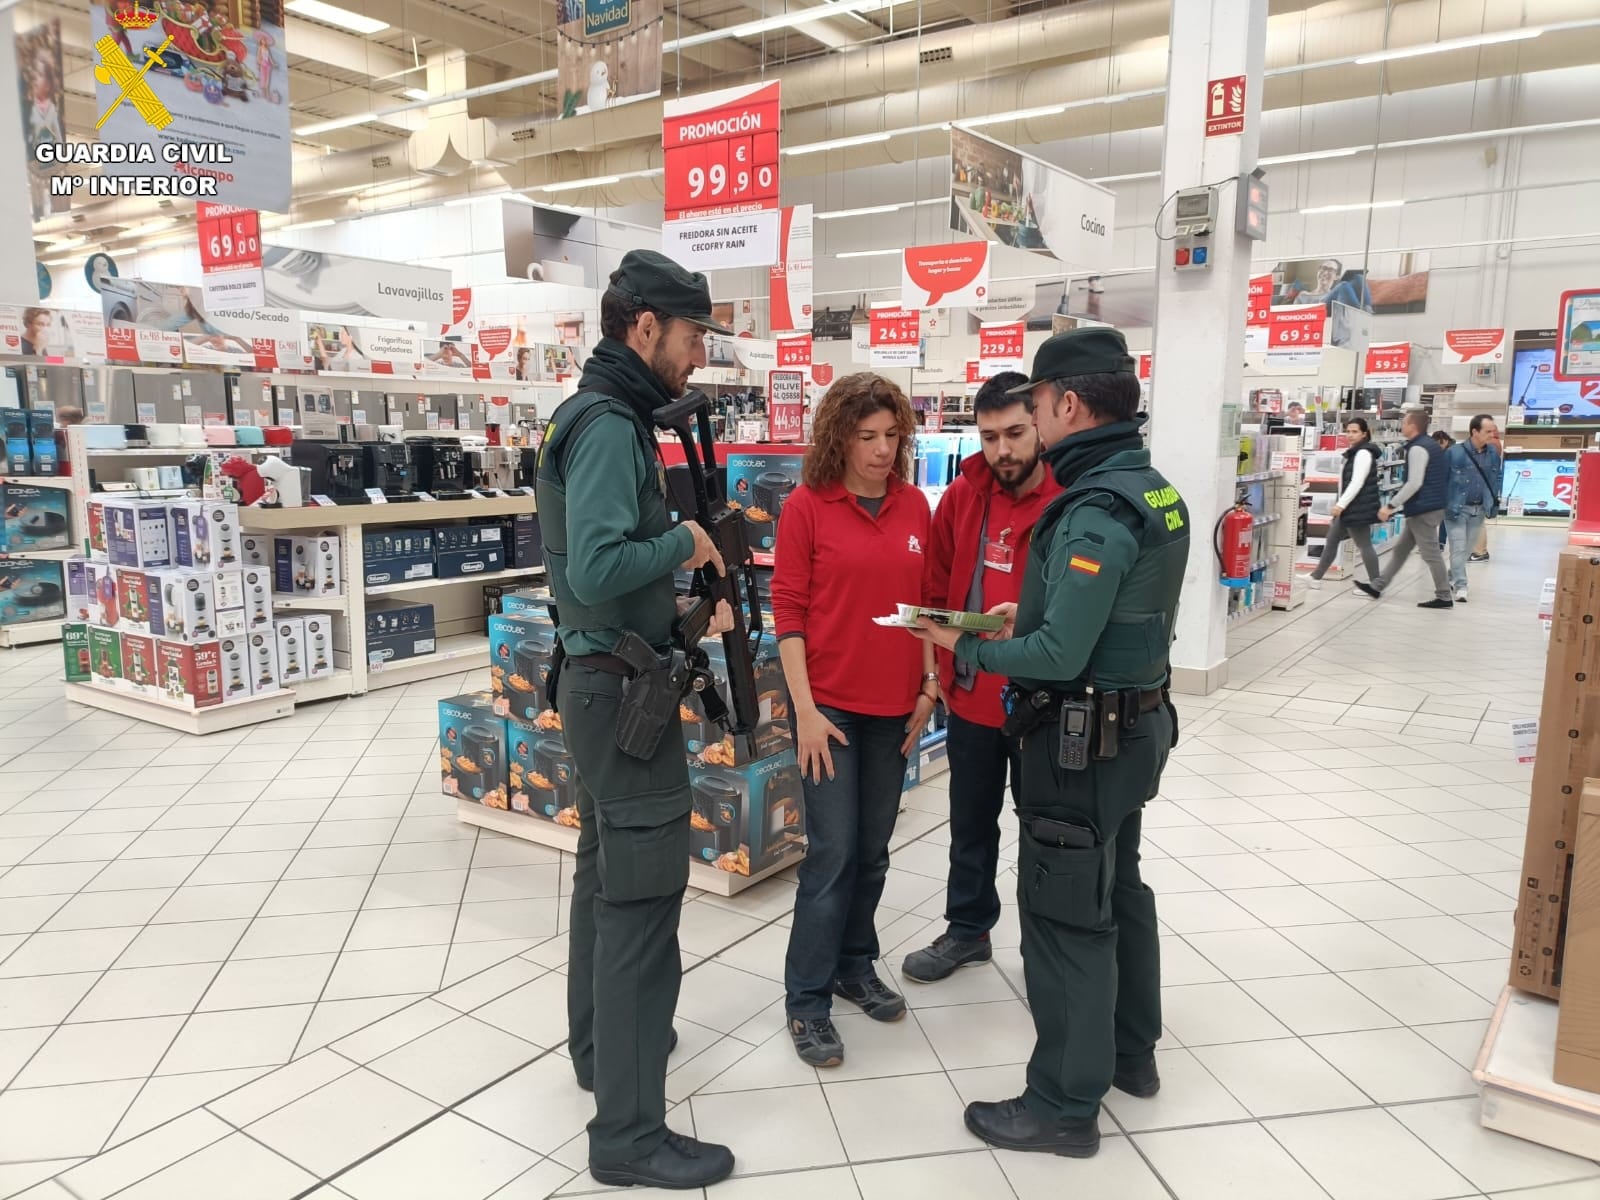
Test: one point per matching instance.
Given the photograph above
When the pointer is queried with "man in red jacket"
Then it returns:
(978, 548)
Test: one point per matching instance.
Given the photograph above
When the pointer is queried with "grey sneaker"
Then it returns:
(873, 997)
(816, 1041)
(947, 954)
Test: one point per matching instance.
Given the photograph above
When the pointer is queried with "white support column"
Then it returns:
(1199, 330)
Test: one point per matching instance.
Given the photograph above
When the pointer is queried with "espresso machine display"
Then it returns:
(335, 470)
(714, 822)
(387, 467)
(439, 467)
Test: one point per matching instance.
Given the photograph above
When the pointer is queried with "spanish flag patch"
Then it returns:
(1087, 565)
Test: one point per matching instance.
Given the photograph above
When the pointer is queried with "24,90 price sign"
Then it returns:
(720, 159)
(894, 337)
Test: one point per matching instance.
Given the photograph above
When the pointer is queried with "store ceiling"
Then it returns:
(898, 67)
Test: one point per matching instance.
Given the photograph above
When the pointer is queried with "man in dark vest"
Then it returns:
(1421, 499)
(1086, 648)
(610, 549)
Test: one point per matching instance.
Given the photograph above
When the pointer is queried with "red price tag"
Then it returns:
(1296, 328)
(1259, 311)
(723, 153)
(1000, 341)
(894, 327)
(795, 351)
(230, 241)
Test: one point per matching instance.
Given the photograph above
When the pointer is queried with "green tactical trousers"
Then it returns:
(1090, 953)
(632, 868)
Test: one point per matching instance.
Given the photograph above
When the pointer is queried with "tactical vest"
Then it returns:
(1435, 484)
(649, 610)
(1134, 647)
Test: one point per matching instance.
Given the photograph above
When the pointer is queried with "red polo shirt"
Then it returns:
(836, 567)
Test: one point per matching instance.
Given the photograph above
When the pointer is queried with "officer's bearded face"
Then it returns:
(677, 351)
(1010, 444)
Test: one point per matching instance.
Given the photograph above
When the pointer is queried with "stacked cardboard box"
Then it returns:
(1578, 1030)
(1568, 753)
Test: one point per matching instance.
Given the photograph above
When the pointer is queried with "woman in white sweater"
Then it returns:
(1356, 507)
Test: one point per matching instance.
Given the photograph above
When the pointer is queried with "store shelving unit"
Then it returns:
(233, 714)
(33, 633)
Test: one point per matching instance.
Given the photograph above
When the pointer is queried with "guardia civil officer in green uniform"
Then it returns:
(1086, 651)
(610, 548)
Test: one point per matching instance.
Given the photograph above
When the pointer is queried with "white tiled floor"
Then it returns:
(271, 964)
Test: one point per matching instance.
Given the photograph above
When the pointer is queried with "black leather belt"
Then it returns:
(610, 664)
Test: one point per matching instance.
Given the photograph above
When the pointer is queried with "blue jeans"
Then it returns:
(1464, 531)
(849, 820)
(981, 762)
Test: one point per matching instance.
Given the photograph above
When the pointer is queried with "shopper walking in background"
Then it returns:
(1474, 495)
(1421, 499)
(1356, 506)
(976, 556)
(850, 548)
(1480, 552)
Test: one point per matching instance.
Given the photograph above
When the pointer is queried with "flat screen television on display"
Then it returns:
(1542, 482)
(1537, 396)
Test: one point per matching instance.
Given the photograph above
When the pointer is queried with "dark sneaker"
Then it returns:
(947, 954)
(588, 1084)
(1367, 589)
(1142, 1080)
(1010, 1125)
(680, 1163)
(873, 997)
(816, 1041)
(1437, 604)
(1484, 557)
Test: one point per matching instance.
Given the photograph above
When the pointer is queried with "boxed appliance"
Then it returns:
(520, 650)
(521, 541)
(467, 550)
(708, 744)
(543, 778)
(1568, 752)
(139, 662)
(395, 555)
(265, 675)
(255, 549)
(761, 484)
(291, 648)
(257, 589)
(205, 534)
(319, 645)
(42, 436)
(187, 607)
(36, 518)
(19, 450)
(526, 602)
(75, 659)
(1578, 1024)
(135, 603)
(31, 589)
(233, 660)
(190, 672)
(137, 534)
(105, 655)
(745, 819)
(95, 518)
(306, 566)
(472, 749)
(85, 599)
(395, 630)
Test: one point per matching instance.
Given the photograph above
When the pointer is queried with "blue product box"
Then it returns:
(36, 518)
(706, 743)
(137, 534)
(19, 448)
(746, 819)
(543, 777)
(397, 555)
(31, 589)
(761, 484)
(42, 432)
(469, 560)
(527, 602)
(466, 537)
(520, 650)
(472, 749)
(396, 630)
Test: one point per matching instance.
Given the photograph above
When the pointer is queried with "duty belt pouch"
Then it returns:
(647, 706)
(1108, 712)
(1069, 885)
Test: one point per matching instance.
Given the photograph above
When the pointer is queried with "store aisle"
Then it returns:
(240, 966)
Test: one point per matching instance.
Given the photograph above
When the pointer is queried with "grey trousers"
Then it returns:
(1360, 535)
(1422, 533)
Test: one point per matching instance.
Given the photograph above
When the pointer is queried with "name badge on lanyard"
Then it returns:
(997, 555)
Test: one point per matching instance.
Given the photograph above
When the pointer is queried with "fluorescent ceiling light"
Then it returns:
(805, 16)
(1311, 156)
(1021, 114)
(1362, 207)
(1461, 43)
(300, 226)
(332, 14)
(335, 123)
(867, 253)
(414, 93)
(573, 185)
(461, 201)
(860, 139)
(835, 214)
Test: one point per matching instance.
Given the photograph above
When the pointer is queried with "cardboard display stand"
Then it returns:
(1578, 1029)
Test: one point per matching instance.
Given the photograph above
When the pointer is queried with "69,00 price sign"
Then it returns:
(230, 255)
(720, 160)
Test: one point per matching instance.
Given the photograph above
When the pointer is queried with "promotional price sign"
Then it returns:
(134, 344)
(786, 405)
(230, 256)
(999, 348)
(1144, 361)
(1388, 365)
(794, 351)
(1294, 336)
(895, 337)
(1474, 346)
(1258, 314)
(953, 274)
(789, 282)
(720, 154)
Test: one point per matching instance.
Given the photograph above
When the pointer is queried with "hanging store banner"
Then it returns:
(608, 52)
(1387, 365)
(1258, 314)
(1000, 348)
(794, 351)
(130, 344)
(357, 287)
(894, 337)
(53, 335)
(352, 350)
(786, 406)
(1001, 195)
(21, 282)
(1295, 336)
(463, 323)
(720, 153)
(40, 88)
(189, 93)
(956, 273)
(1475, 346)
(259, 338)
(790, 281)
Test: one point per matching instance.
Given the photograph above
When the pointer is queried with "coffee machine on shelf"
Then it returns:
(500, 466)
(387, 467)
(527, 466)
(439, 467)
(333, 469)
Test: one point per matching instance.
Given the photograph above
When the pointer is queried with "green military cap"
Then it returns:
(651, 279)
(1097, 350)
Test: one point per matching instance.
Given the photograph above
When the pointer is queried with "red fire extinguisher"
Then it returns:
(1234, 545)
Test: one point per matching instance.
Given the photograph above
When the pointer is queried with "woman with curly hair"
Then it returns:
(850, 548)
